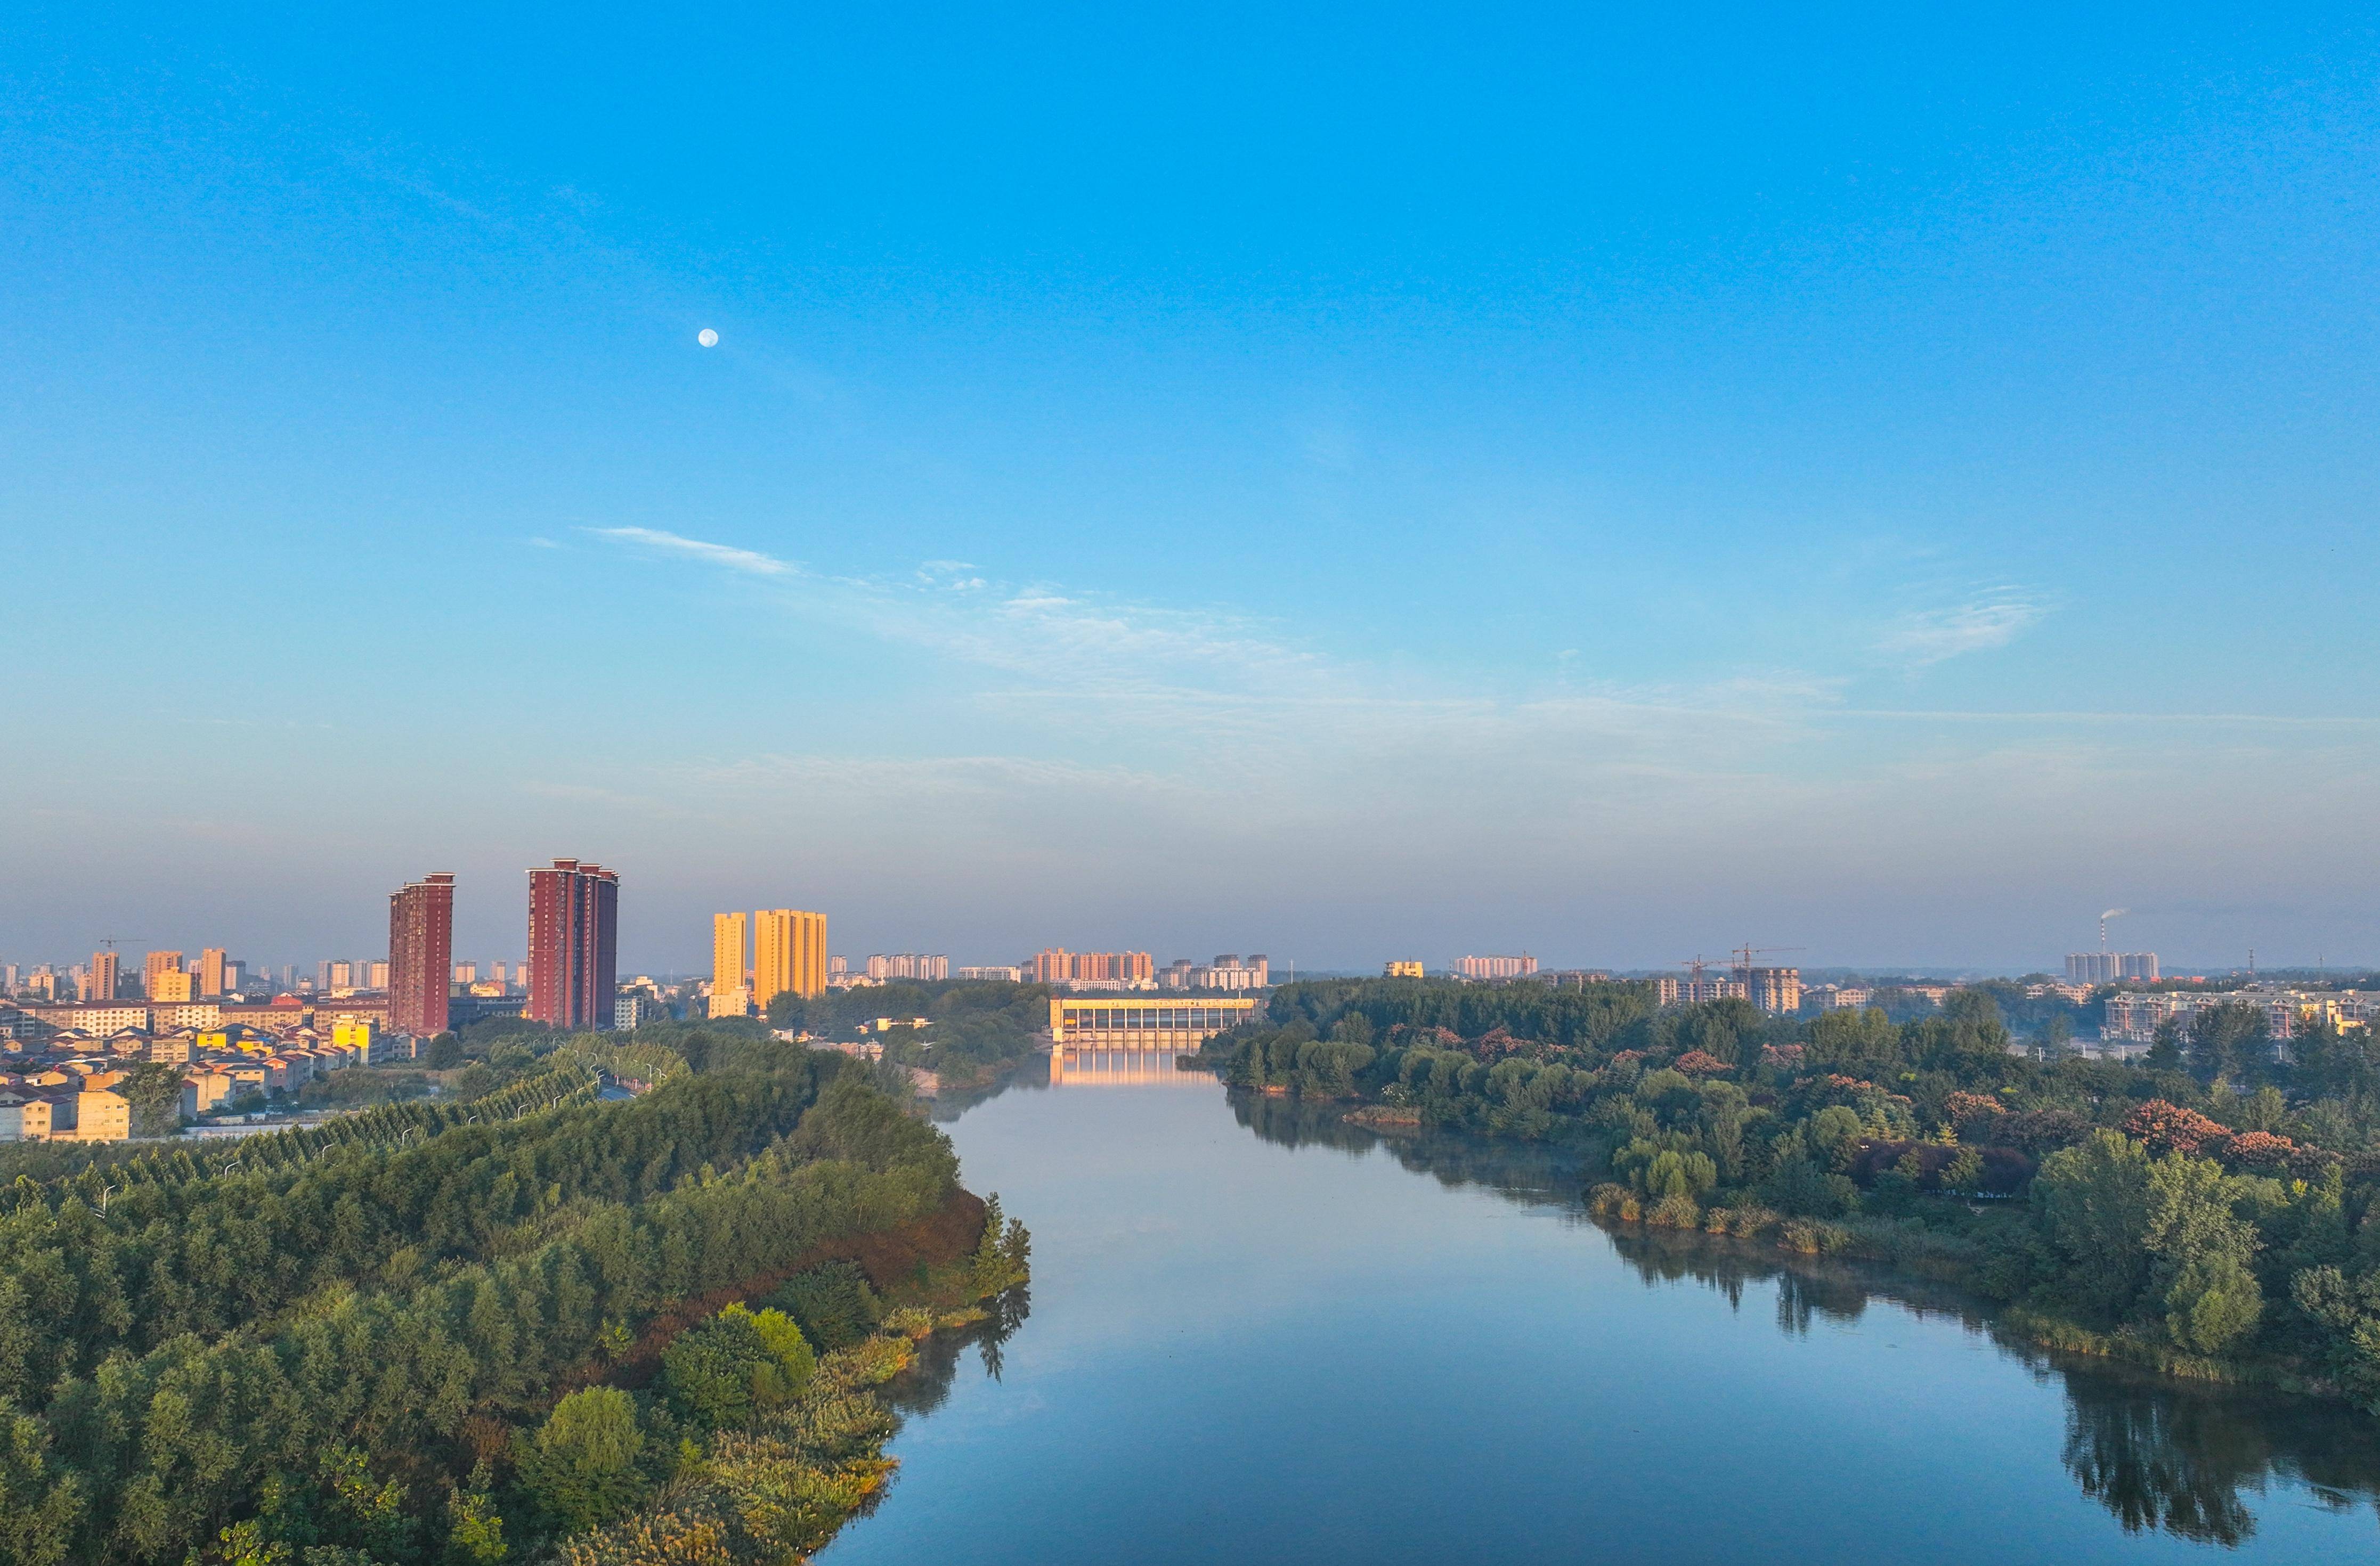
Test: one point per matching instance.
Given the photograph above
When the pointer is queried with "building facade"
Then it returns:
(1057, 966)
(730, 994)
(1497, 967)
(420, 950)
(1402, 967)
(154, 964)
(213, 981)
(573, 939)
(1086, 1022)
(2109, 967)
(1777, 991)
(908, 965)
(788, 955)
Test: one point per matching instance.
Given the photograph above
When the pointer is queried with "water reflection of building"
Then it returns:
(1144, 1023)
(1121, 1068)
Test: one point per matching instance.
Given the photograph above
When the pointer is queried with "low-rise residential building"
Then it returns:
(91, 1117)
(2134, 1016)
(203, 1090)
(24, 1117)
(1402, 967)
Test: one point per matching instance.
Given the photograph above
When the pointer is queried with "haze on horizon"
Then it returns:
(1346, 484)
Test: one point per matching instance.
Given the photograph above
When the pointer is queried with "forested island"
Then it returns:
(2214, 1211)
(542, 1324)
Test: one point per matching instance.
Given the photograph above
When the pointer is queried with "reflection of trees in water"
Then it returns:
(2158, 1455)
(926, 1385)
(1528, 1172)
(2180, 1462)
(2132, 1454)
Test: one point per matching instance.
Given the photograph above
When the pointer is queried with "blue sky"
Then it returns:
(1347, 483)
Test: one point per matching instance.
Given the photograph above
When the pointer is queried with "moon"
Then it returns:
(707, 337)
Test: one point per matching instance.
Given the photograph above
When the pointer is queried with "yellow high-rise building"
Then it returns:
(788, 955)
(154, 963)
(171, 987)
(731, 996)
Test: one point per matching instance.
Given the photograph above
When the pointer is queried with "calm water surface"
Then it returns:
(1255, 1334)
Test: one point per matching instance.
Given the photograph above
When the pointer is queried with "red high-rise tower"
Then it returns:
(573, 920)
(420, 953)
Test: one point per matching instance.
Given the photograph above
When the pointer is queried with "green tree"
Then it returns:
(1964, 1173)
(2230, 1040)
(2201, 1251)
(1853, 1041)
(739, 1361)
(2213, 1301)
(2093, 1207)
(39, 1505)
(580, 1468)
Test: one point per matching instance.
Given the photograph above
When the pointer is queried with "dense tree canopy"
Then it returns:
(2225, 1204)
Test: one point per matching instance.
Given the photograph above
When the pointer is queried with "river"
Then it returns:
(1258, 1334)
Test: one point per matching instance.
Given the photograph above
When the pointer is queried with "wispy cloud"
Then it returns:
(1993, 620)
(750, 562)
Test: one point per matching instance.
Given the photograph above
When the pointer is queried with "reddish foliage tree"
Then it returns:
(1965, 1108)
(2261, 1152)
(1698, 1062)
(2170, 1128)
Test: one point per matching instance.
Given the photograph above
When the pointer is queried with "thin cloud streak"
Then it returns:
(1937, 635)
(749, 562)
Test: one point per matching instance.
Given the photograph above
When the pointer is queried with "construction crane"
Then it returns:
(1744, 955)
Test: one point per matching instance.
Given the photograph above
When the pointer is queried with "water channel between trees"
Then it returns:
(1258, 1334)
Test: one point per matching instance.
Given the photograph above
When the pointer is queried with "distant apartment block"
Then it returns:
(1696, 991)
(788, 955)
(420, 950)
(574, 944)
(155, 965)
(101, 980)
(2134, 1015)
(2110, 967)
(908, 965)
(172, 987)
(731, 992)
(1777, 991)
(213, 977)
(1226, 972)
(1057, 966)
(1402, 967)
(994, 975)
(1497, 967)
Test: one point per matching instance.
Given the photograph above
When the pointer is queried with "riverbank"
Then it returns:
(1910, 1245)
(779, 1487)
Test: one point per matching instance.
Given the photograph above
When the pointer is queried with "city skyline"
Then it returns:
(1890, 491)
